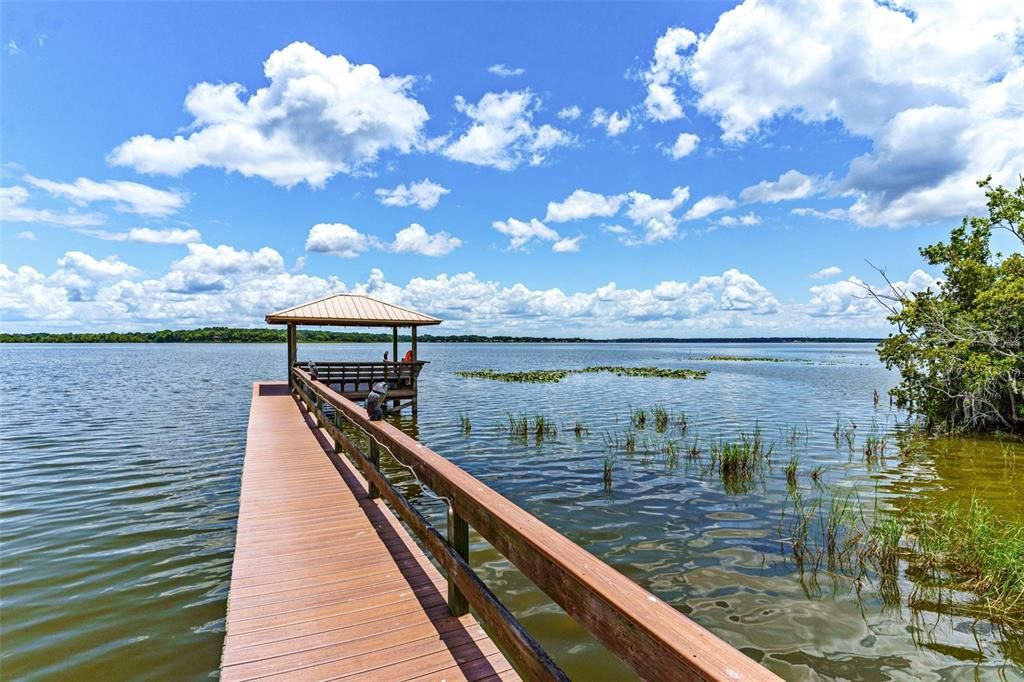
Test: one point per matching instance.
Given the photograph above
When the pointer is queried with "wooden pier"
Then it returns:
(328, 584)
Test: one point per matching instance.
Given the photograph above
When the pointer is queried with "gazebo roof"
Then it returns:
(351, 310)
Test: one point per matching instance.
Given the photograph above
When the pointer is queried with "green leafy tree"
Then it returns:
(960, 348)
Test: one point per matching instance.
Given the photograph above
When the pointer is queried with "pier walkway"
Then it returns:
(326, 583)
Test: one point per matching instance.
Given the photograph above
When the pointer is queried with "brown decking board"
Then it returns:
(326, 584)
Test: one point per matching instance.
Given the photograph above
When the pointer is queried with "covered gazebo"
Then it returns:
(354, 379)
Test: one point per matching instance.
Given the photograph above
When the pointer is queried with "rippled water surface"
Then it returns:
(121, 465)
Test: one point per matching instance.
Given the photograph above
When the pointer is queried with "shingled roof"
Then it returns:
(351, 310)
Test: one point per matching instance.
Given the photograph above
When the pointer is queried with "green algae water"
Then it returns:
(120, 468)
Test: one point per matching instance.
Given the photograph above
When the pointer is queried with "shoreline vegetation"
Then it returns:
(238, 335)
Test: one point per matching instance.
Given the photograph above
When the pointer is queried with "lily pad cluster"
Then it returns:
(553, 376)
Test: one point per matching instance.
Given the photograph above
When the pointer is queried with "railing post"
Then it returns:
(458, 538)
(375, 462)
(319, 410)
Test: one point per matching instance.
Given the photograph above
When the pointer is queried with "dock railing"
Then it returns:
(646, 633)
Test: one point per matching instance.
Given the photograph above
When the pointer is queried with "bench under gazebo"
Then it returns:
(355, 379)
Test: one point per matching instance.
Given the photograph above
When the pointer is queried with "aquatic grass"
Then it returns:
(792, 435)
(671, 451)
(580, 429)
(608, 467)
(661, 418)
(638, 418)
(817, 473)
(791, 471)
(963, 552)
(874, 448)
(875, 396)
(972, 549)
(465, 423)
(739, 463)
(682, 423)
(523, 427)
(847, 433)
(629, 442)
(693, 450)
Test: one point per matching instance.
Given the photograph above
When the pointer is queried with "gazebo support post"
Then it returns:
(292, 341)
(415, 387)
(394, 357)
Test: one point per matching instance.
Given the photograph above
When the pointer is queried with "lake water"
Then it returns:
(121, 466)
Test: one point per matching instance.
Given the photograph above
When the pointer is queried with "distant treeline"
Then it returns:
(230, 335)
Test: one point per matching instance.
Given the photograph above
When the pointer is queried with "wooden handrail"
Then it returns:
(646, 633)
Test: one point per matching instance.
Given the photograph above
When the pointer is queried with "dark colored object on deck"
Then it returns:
(373, 402)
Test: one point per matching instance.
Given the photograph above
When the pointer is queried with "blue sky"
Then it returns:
(688, 169)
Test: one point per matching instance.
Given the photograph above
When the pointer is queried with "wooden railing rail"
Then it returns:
(650, 636)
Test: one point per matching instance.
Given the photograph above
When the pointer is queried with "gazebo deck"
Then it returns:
(326, 583)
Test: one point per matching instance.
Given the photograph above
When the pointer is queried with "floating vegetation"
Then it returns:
(817, 473)
(693, 450)
(553, 376)
(629, 443)
(523, 427)
(533, 376)
(650, 372)
(682, 423)
(638, 418)
(661, 417)
(579, 429)
(791, 469)
(742, 358)
(465, 423)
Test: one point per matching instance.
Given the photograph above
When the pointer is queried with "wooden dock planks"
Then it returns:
(325, 583)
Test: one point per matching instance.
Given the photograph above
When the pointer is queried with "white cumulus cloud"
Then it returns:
(614, 124)
(790, 185)
(708, 205)
(582, 204)
(416, 239)
(14, 210)
(502, 134)
(654, 216)
(423, 194)
(570, 113)
(337, 239)
(319, 115)
(683, 146)
(935, 87)
(127, 197)
(504, 71)
(664, 73)
(149, 235)
(825, 273)
(521, 233)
